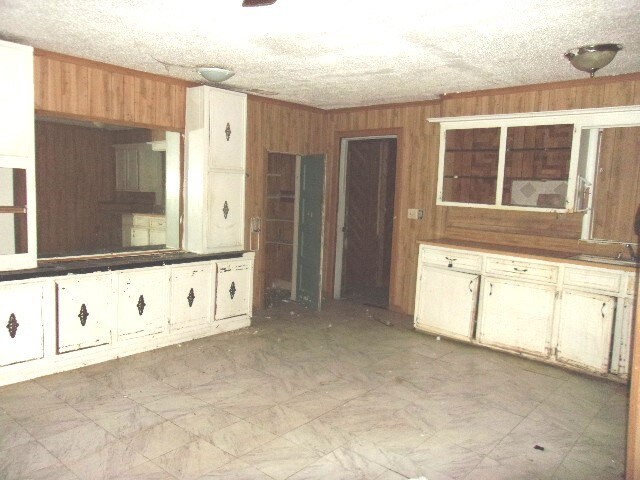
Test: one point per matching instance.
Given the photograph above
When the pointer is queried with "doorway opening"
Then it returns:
(365, 219)
(294, 221)
(280, 222)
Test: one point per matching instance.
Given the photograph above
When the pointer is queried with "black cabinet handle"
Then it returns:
(227, 131)
(191, 297)
(12, 325)
(83, 315)
(225, 209)
(141, 305)
(232, 290)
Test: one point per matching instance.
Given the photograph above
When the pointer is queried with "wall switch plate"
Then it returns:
(415, 214)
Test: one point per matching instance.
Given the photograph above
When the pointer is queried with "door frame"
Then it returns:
(342, 206)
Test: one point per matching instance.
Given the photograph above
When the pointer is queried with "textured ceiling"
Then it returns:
(336, 53)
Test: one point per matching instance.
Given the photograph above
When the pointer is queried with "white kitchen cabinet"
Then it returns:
(142, 302)
(86, 311)
(18, 228)
(584, 329)
(140, 229)
(225, 204)
(622, 336)
(191, 296)
(233, 289)
(447, 302)
(139, 168)
(516, 315)
(227, 129)
(21, 338)
(478, 155)
(215, 150)
(16, 99)
(570, 313)
(58, 323)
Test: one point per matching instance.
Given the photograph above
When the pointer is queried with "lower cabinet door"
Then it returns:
(86, 311)
(21, 338)
(191, 295)
(142, 302)
(447, 302)
(516, 315)
(585, 328)
(233, 289)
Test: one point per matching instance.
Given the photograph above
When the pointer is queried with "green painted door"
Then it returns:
(310, 222)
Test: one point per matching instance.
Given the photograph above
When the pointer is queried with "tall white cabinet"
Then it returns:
(215, 151)
(18, 242)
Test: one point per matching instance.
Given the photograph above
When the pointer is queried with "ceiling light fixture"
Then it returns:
(216, 74)
(591, 58)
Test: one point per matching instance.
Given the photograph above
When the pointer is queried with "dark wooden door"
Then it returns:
(370, 190)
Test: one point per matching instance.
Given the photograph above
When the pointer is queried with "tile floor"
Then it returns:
(349, 393)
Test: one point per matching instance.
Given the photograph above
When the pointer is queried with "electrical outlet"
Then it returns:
(415, 214)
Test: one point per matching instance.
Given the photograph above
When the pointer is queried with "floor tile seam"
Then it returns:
(153, 460)
(569, 450)
(18, 421)
(344, 402)
(68, 465)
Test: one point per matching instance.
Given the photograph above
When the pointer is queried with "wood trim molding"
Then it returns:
(110, 121)
(284, 103)
(111, 68)
(417, 103)
(627, 77)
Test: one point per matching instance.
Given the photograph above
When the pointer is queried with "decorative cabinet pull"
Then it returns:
(490, 289)
(225, 209)
(191, 297)
(141, 304)
(227, 131)
(470, 289)
(451, 260)
(232, 290)
(602, 309)
(12, 325)
(83, 315)
(520, 269)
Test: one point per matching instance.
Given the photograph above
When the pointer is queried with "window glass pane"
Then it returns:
(471, 165)
(101, 188)
(537, 166)
(13, 211)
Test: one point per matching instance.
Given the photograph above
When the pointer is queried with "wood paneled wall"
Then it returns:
(417, 174)
(82, 88)
(274, 126)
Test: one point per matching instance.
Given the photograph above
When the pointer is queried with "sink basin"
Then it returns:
(609, 260)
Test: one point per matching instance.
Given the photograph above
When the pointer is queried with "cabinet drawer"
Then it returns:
(158, 223)
(140, 221)
(606, 280)
(452, 259)
(522, 269)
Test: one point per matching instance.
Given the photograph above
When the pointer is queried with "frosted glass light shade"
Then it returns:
(591, 58)
(216, 74)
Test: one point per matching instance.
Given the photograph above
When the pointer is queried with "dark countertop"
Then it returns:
(59, 267)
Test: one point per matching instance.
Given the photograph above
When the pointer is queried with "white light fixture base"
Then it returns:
(216, 74)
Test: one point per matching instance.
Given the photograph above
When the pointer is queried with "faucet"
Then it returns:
(635, 255)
